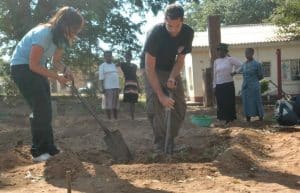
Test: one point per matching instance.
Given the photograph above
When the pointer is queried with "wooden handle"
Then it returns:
(68, 180)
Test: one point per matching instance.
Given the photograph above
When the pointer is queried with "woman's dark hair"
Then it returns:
(65, 17)
(174, 11)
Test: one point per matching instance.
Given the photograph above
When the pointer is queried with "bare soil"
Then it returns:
(245, 157)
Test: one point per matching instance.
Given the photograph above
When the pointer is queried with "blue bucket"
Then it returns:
(201, 120)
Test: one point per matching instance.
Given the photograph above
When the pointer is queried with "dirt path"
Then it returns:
(243, 158)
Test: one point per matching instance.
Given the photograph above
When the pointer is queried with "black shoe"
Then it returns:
(248, 119)
(53, 151)
(261, 118)
(228, 121)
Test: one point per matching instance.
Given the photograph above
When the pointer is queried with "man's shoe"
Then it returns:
(42, 157)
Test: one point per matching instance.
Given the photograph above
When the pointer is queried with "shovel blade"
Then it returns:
(117, 147)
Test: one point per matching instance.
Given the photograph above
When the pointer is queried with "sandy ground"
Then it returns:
(245, 157)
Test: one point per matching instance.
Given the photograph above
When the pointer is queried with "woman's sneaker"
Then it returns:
(53, 151)
(42, 157)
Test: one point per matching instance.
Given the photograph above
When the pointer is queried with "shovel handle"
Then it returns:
(168, 125)
(68, 181)
(88, 107)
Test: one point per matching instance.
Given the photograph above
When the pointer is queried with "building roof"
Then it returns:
(243, 34)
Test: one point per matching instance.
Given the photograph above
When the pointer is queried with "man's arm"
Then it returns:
(152, 77)
(176, 71)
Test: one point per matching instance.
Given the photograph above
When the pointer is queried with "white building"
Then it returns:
(264, 38)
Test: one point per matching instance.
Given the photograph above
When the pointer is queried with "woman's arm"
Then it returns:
(35, 65)
(60, 66)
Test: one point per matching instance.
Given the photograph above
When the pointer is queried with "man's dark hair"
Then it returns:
(174, 11)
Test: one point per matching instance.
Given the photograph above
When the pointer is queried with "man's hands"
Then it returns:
(166, 101)
(171, 83)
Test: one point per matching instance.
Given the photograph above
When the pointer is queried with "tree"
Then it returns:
(230, 11)
(287, 16)
(7, 86)
(108, 22)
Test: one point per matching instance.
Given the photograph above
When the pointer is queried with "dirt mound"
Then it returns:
(96, 156)
(160, 172)
(57, 166)
(243, 157)
(18, 157)
(245, 148)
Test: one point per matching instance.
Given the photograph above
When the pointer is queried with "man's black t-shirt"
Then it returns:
(161, 45)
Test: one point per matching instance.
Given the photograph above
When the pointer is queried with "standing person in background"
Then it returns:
(109, 85)
(164, 53)
(29, 72)
(251, 96)
(131, 88)
(224, 66)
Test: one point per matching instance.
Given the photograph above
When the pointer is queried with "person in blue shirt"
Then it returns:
(251, 96)
(29, 72)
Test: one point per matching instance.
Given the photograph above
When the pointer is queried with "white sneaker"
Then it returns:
(41, 158)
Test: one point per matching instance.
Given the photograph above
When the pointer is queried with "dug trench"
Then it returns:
(245, 157)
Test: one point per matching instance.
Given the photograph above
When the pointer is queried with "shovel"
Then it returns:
(168, 129)
(115, 143)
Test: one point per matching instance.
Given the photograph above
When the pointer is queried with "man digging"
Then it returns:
(163, 58)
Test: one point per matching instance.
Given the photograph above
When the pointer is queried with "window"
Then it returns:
(290, 69)
(266, 66)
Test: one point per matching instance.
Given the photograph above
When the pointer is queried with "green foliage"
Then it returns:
(287, 16)
(264, 85)
(7, 86)
(109, 23)
(230, 11)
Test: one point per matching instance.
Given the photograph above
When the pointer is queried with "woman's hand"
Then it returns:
(68, 74)
(63, 80)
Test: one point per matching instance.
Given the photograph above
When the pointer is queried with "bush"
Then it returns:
(8, 87)
(264, 85)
